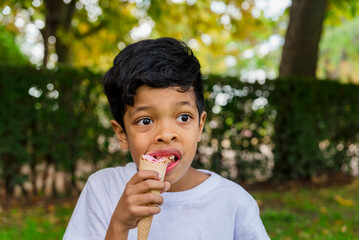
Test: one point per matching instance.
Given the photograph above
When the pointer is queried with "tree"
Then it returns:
(90, 33)
(300, 50)
(221, 30)
(65, 23)
(58, 16)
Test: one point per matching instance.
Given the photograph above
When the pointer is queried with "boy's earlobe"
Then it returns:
(120, 133)
(202, 121)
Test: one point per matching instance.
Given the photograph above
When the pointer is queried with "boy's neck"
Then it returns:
(192, 179)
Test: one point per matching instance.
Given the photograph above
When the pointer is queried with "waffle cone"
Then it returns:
(144, 225)
(143, 228)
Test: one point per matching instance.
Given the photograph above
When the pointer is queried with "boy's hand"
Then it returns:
(132, 205)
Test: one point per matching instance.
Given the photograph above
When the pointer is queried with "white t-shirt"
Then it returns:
(216, 209)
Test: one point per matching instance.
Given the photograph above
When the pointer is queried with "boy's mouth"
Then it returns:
(172, 154)
(172, 158)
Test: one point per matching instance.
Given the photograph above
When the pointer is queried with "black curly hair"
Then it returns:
(158, 63)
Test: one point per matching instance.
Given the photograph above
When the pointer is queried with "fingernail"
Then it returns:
(160, 176)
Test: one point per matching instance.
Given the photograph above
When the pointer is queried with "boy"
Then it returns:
(156, 98)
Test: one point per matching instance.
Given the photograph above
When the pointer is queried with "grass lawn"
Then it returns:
(311, 213)
(295, 213)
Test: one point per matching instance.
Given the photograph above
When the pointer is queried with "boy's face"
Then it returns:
(163, 121)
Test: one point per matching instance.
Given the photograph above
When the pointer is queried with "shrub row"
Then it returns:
(316, 127)
(49, 117)
(58, 117)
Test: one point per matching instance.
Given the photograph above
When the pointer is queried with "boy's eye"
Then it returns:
(184, 118)
(144, 121)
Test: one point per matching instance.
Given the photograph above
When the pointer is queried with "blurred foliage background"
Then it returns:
(280, 86)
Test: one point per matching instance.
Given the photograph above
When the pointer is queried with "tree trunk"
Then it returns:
(300, 50)
(58, 16)
(45, 35)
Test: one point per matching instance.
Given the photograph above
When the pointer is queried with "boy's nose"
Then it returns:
(166, 135)
(165, 138)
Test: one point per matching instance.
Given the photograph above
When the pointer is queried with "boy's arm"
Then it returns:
(113, 233)
(132, 205)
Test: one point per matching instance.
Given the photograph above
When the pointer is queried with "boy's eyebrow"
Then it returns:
(179, 104)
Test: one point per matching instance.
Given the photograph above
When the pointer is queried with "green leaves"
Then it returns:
(313, 128)
(48, 117)
(9, 51)
(238, 128)
(61, 116)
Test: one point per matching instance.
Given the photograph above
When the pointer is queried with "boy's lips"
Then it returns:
(171, 153)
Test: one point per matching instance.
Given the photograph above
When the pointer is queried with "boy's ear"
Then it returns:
(120, 133)
(202, 120)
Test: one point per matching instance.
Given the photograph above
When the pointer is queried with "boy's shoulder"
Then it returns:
(113, 174)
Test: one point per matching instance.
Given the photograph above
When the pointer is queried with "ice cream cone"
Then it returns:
(144, 225)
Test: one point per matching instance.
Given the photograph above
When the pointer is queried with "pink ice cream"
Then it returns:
(155, 160)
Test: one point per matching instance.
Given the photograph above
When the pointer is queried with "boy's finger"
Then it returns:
(149, 184)
(148, 198)
(146, 211)
(143, 175)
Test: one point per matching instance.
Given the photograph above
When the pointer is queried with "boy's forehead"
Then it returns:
(146, 95)
(145, 90)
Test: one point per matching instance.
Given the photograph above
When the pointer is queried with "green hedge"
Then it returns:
(48, 117)
(237, 137)
(316, 127)
(60, 116)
